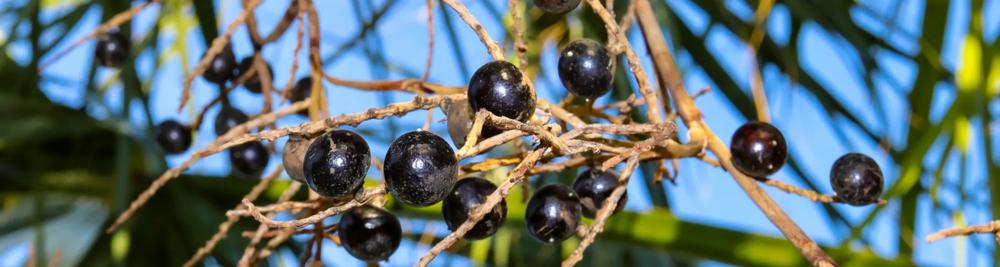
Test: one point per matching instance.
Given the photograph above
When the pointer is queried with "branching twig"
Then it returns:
(361, 199)
(606, 210)
(516, 176)
(218, 44)
(249, 251)
(115, 21)
(693, 119)
(491, 46)
(991, 227)
(230, 220)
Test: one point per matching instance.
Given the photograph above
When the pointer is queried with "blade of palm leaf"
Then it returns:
(66, 22)
(772, 53)
(367, 27)
(372, 47)
(456, 45)
(986, 134)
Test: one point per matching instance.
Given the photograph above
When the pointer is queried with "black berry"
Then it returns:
(758, 149)
(222, 67)
(293, 156)
(500, 88)
(301, 91)
(468, 194)
(585, 68)
(557, 6)
(553, 213)
(336, 163)
(249, 159)
(370, 233)
(252, 83)
(420, 168)
(593, 186)
(112, 49)
(228, 118)
(173, 137)
(857, 179)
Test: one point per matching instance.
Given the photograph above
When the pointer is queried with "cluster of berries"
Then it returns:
(758, 150)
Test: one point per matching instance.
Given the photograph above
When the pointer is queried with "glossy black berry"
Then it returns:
(500, 88)
(222, 67)
(173, 137)
(758, 149)
(857, 179)
(301, 91)
(370, 233)
(593, 186)
(336, 163)
(249, 159)
(468, 194)
(553, 213)
(112, 49)
(557, 6)
(228, 118)
(252, 83)
(585, 68)
(420, 168)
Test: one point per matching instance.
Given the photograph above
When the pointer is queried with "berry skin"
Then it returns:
(557, 6)
(228, 118)
(173, 137)
(758, 149)
(593, 186)
(301, 91)
(468, 194)
(253, 82)
(585, 68)
(293, 156)
(553, 213)
(369, 233)
(500, 88)
(222, 67)
(420, 168)
(249, 159)
(857, 179)
(336, 163)
(112, 49)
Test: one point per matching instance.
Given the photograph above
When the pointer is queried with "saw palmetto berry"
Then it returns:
(553, 213)
(228, 118)
(585, 68)
(857, 179)
(420, 168)
(593, 187)
(293, 157)
(336, 163)
(468, 194)
(758, 149)
(112, 49)
(557, 6)
(249, 159)
(253, 83)
(370, 233)
(173, 137)
(500, 87)
(222, 67)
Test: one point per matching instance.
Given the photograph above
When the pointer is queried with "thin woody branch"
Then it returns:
(693, 119)
(988, 228)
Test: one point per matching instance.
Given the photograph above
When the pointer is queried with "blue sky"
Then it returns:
(703, 194)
